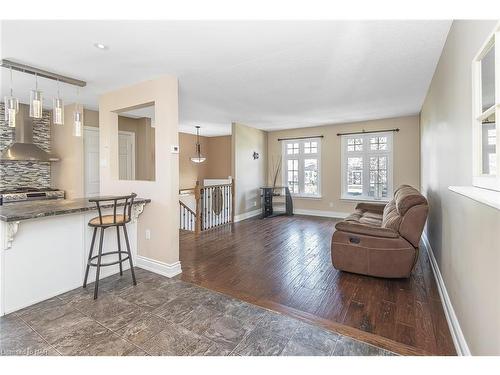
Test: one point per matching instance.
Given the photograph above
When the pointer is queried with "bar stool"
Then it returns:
(109, 221)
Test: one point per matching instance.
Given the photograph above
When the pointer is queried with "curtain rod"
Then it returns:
(290, 139)
(41, 73)
(370, 131)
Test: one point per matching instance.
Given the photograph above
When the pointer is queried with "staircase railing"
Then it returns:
(214, 207)
(187, 217)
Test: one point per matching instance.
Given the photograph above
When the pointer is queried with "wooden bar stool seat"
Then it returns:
(103, 222)
(108, 220)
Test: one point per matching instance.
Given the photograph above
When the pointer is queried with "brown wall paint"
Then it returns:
(406, 166)
(463, 233)
(217, 150)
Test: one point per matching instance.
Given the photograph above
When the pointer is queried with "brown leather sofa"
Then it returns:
(382, 239)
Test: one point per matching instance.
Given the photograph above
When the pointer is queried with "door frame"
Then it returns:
(94, 129)
(131, 136)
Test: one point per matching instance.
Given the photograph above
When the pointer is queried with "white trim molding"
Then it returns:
(488, 197)
(161, 268)
(456, 331)
(334, 214)
(247, 215)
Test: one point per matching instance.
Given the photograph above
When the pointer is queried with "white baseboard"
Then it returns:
(456, 332)
(164, 269)
(247, 215)
(334, 214)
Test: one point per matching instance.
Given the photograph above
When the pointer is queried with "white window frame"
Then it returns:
(479, 179)
(366, 153)
(301, 156)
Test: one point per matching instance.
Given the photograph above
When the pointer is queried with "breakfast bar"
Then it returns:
(44, 248)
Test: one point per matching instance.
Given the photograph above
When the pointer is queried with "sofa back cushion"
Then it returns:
(391, 218)
(406, 213)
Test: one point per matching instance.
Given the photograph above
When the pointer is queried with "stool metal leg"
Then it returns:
(129, 253)
(90, 256)
(96, 289)
(119, 249)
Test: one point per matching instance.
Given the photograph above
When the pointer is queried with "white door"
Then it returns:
(126, 154)
(91, 149)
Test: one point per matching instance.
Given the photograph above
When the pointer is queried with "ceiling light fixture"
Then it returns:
(11, 106)
(58, 109)
(198, 158)
(100, 46)
(36, 101)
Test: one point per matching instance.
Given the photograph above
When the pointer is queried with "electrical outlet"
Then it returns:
(255, 203)
(148, 234)
(331, 204)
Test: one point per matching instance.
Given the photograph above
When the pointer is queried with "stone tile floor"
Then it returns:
(162, 316)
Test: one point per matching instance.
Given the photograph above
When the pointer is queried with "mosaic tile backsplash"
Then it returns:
(14, 174)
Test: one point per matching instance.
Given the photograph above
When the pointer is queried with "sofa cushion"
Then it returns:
(365, 217)
(391, 218)
(406, 197)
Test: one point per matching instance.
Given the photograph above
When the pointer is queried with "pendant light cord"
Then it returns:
(11, 84)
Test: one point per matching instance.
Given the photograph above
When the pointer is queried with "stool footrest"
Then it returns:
(110, 263)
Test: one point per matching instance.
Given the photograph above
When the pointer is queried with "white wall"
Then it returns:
(464, 234)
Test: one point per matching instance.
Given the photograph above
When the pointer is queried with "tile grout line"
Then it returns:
(39, 334)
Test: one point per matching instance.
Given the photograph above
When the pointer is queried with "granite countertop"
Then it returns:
(42, 208)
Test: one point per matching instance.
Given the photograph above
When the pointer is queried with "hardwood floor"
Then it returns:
(284, 264)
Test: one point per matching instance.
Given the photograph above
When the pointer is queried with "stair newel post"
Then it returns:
(233, 199)
(197, 196)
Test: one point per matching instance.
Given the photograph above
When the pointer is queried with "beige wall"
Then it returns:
(68, 173)
(406, 158)
(161, 215)
(217, 150)
(463, 233)
(249, 174)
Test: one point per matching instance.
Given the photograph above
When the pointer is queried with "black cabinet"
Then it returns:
(276, 201)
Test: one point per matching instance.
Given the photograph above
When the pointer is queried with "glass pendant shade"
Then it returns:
(198, 159)
(36, 104)
(78, 121)
(58, 111)
(11, 109)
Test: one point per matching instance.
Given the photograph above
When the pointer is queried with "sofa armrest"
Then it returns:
(366, 230)
(373, 207)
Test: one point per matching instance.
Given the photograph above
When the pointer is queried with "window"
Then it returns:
(486, 71)
(301, 161)
(367, 166)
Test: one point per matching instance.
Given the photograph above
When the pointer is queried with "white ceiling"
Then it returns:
(268, 74)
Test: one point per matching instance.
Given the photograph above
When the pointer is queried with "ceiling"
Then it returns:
(267, 74)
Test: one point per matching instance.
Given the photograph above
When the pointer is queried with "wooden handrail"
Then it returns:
(186, 207)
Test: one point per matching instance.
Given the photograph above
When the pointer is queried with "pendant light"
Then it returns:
(58, 109)
(198, 158)
(78, 117)
(11, 106)
(36, 101)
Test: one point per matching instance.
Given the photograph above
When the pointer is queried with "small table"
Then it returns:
(276, 201)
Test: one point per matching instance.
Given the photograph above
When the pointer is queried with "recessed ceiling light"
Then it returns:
(100, 46)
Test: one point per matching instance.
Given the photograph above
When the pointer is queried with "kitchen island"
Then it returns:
(44, 248)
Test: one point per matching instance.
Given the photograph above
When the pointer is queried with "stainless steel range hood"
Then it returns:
(23, 149)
